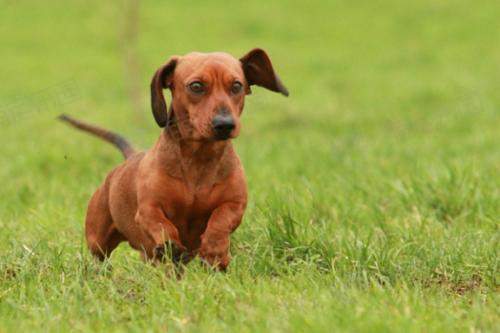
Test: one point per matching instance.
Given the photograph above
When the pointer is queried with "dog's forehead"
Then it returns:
(196, 61)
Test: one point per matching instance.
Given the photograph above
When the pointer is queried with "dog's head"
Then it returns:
(208, 92)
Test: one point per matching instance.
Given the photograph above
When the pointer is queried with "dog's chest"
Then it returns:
(190, 211)
(193, 203)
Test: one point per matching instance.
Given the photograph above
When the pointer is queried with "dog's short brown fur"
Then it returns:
(188, 192)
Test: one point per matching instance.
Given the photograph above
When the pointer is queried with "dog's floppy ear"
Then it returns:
(259, 70)
(161, 80)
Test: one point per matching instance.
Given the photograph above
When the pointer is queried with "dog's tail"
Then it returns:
(113, 138)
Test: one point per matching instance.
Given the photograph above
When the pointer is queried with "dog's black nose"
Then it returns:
(223, 124)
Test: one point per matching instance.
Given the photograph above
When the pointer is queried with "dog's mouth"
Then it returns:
(222, 135)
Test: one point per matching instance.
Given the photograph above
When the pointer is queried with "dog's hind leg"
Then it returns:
(101, 234)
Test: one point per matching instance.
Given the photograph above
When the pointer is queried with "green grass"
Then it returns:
(374, 189)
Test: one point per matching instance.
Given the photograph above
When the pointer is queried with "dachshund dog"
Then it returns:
(188, 193)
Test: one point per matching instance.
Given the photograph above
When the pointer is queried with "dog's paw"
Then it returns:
(215, 254)
(218, 263)
(171, 249)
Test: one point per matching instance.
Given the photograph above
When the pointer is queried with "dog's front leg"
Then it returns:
(214, 248)
(161, 233)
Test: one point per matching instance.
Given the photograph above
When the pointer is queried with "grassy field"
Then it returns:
(374, 188)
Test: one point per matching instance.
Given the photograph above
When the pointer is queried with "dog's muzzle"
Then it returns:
(223, 125)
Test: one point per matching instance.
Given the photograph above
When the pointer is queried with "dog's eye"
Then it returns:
(197, 87)
(236, 87)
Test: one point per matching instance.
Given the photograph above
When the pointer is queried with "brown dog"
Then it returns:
(188, 193)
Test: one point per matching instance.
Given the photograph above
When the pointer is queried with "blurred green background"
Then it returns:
(374, 188)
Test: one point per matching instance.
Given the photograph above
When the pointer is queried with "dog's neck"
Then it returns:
(196, 162)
